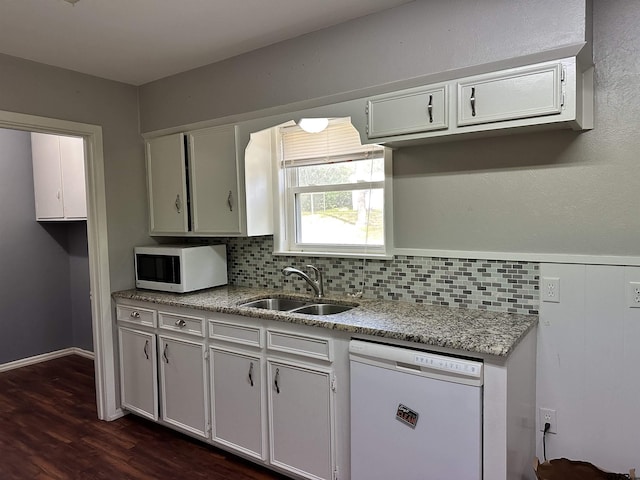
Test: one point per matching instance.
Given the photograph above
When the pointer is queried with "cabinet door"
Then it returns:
(73, 183)
(236, 390)
(138, 372)
(509, 95)
(301, 420)
(47, 180)
(182, 380)
(214, 180)
(412, 111)
(167, 181)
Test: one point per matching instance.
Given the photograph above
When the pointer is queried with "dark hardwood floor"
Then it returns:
(49, 430)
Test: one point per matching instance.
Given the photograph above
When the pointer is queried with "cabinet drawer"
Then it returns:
(510, 95)
(411, 111)
(136, 315)
(182, 323)
(303, 345)
(235, 333)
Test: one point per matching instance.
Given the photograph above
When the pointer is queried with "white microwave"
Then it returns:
(180, 268)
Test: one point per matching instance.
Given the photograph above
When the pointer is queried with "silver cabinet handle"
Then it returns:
(275, 381)
(146, 346)
(178, 204)
(134, 314)
(164, 352)
(430, 108)
(251, 374)
(473, 101)
(230, 201)
(180, 323)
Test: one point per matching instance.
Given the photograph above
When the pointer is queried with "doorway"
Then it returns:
(98, 254)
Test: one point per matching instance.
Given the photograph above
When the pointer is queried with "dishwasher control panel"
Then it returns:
(417, 362)
(446, 363)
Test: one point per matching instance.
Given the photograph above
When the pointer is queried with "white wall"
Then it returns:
(587, 367)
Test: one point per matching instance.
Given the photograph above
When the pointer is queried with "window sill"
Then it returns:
(309, 253)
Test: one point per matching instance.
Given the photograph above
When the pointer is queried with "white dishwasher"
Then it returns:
(415, 415)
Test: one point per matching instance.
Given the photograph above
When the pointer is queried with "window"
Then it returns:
(335, 192)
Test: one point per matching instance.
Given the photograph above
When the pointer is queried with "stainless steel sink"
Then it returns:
(322, 309)
(297, 306)
(280, 304)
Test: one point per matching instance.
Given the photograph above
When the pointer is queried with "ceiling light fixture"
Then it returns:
(313, 125)
(72, 2)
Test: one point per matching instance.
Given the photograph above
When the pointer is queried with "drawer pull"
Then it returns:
(178, 204)
(473, 101)
(146, 346)
(181, 323)
(164, 353)
(135, 314)
(275, 381)
(430, 108)
(251, 374)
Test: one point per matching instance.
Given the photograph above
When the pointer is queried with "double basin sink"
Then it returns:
(297, 306)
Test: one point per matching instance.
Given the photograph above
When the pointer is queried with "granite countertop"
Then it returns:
(476, 331)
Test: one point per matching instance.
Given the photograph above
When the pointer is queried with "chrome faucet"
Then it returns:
(315, 284)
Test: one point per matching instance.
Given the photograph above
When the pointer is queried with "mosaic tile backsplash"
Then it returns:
(496, 285)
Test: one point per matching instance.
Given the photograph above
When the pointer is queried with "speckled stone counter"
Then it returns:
(477, 331)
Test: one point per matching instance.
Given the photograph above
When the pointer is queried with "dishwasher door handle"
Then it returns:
(407, 367)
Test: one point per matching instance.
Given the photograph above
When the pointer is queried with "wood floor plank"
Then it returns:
(49, 430)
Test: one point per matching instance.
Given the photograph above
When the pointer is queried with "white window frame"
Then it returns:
(285, 242)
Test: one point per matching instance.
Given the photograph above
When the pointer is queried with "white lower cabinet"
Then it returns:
(267, 394)
(183, 385)
(237, 400)
(138, 372)
(301, 419)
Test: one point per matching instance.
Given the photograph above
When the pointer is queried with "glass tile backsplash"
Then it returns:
(497, 285)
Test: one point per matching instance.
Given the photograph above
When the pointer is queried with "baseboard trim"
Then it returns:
(24, 362)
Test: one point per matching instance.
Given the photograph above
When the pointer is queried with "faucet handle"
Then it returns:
(318, 279)
(316, 271)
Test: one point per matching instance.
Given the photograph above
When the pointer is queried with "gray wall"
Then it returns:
(557, 192)
(37, 89)
(553, 192)
(78, 252)
(420, 38)
(35, 307)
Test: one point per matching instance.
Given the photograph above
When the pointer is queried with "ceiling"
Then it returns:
(138, 41)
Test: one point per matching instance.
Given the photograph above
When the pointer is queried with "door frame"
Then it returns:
(108, 405)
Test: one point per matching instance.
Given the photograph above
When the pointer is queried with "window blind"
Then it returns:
(339, 142)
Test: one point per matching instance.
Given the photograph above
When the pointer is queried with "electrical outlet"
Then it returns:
(633, 294)
(547, 415)
(550, 289)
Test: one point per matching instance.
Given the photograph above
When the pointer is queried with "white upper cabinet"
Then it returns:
(417, 110)
(214, 180)
(554, 94)
(58, 177)
(203, 184)
(167, 183)
(517, 93)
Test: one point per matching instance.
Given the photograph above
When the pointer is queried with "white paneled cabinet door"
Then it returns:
(412, 111)
(167, 185)
(512, 94)
(47, 180)
(182, 385)
(138, 372)
(237, 398)
(214, 180)
(301, 419)
(73, 180)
